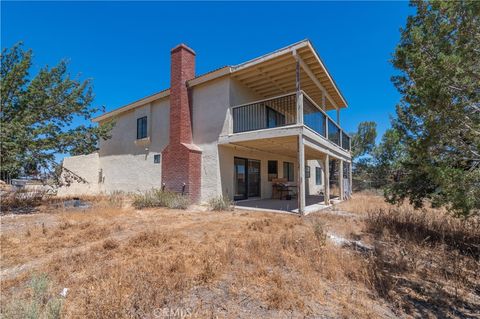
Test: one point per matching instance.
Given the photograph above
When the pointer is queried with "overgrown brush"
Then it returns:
(159, 198)
(428, 227)
(116, 199)
(221, 203)
(40, 303)
(21, 200)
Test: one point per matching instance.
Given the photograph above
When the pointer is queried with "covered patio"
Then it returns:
(291, 120)
(313, 203)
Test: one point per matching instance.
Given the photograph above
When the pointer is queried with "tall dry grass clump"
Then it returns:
(425, 256)
(160, 198)
(221, 203)
(428, 226)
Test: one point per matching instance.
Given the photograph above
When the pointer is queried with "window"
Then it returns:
(274, 118)
(156, 158)
(307, 171)
(318, 176)
(141, 127)
(272, 170)
(288, 171)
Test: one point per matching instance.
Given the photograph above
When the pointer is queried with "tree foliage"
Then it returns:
(438, 117)
(37, 114)
(363, 141)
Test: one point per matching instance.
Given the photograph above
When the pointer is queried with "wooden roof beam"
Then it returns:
(314, 78)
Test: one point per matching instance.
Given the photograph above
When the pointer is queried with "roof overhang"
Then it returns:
(128, 107)
(270, 75)
(275, 74)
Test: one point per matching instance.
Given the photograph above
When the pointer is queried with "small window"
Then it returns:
(307, 171)
(318, 176)
(156, 158)
(272, 170)
(288, 171)
(141, 127)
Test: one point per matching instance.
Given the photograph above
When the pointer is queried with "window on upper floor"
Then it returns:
(141, 127)
(156, 158)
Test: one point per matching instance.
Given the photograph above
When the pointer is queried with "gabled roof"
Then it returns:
(269, 75)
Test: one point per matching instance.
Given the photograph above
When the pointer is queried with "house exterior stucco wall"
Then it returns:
(125, 163)
(86, 167)
(311, 186)
(211, 103)
(210, 106)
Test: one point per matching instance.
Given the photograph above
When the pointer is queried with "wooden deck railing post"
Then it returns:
(327, 180)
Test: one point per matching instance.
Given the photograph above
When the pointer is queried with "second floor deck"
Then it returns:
(288, 111)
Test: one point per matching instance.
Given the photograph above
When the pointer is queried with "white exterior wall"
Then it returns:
(86, 167)
(311, 186)
(125, 163)
(210, 106)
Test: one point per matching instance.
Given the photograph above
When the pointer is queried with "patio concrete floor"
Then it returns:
(312, 204)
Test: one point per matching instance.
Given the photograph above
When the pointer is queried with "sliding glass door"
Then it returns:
(247, 178)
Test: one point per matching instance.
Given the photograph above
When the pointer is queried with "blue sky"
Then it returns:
(125, 46)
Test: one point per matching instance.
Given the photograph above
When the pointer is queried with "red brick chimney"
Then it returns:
(181, 159)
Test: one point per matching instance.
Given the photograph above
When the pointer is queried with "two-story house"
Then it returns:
(250, 131)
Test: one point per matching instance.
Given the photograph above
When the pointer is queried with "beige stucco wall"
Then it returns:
(85, 166)
(211, 103)
(125, 163)
(311, 187)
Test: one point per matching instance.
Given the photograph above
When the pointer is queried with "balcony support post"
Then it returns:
(350, 178)
(326, 176)
(299, 95)
(301, 175)
(340, 180)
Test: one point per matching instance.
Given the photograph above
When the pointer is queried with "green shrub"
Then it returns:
(221, 203)
(41, 303)
(159, 198)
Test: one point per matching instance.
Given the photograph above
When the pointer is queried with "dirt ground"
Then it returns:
(116, 261)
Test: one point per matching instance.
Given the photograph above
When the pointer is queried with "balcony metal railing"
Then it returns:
(264, 114)
(282, 111)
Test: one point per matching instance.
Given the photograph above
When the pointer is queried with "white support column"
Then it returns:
(301, 175)
(326, 176)
(340, 178)
(350, 177)
(338, 117)
(299, 96)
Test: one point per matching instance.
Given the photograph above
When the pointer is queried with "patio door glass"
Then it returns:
(253, 178)
(247, 178)
(240, 170)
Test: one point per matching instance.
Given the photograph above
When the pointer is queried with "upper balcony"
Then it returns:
(286, 111)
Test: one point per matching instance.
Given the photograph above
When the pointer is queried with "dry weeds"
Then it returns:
(119, 262)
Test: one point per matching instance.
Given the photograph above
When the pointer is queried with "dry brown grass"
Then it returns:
(119, 262)
(425, 262)
(124, 263)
